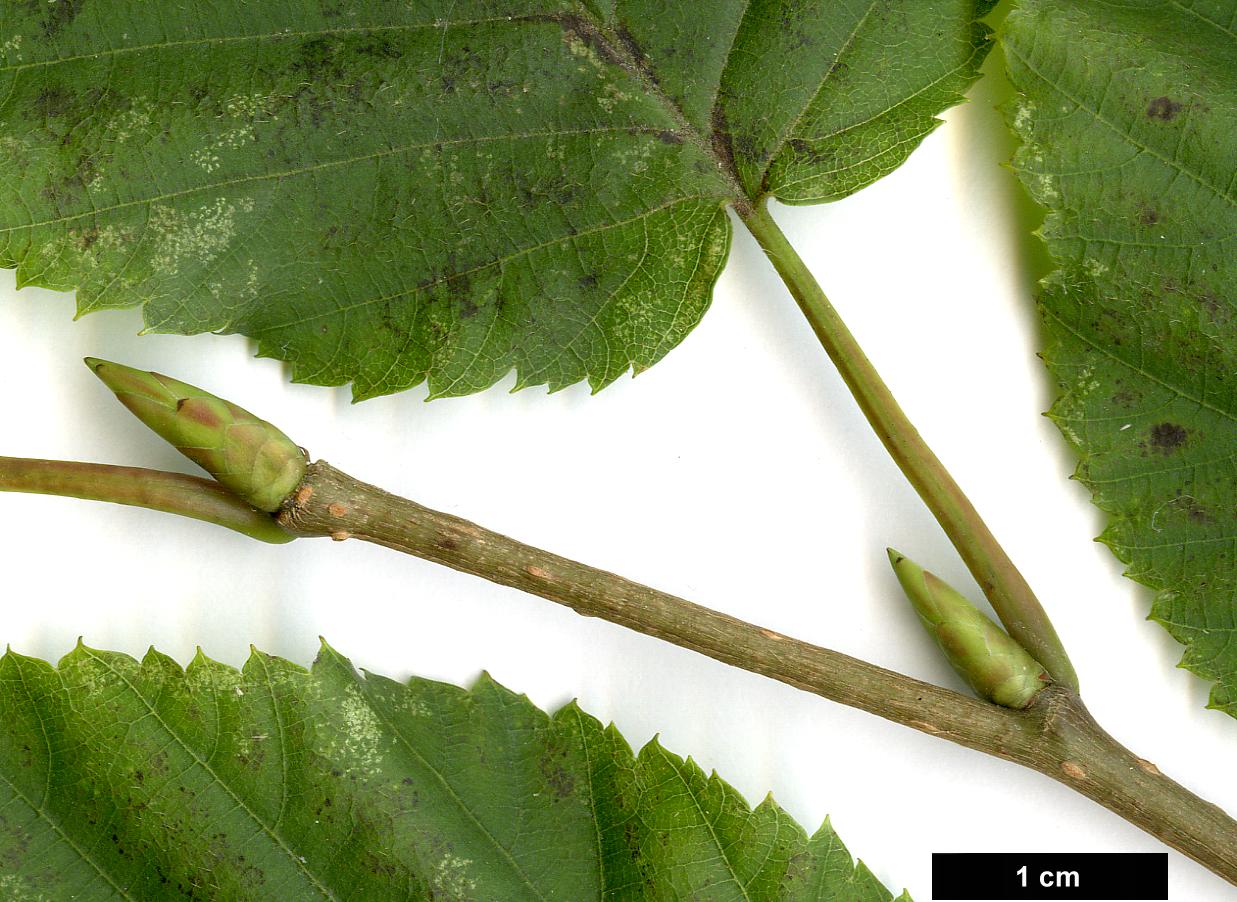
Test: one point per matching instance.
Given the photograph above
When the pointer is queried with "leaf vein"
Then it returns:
(522, 252)
(1171, 162)
(332, 164)
(1091, 343)
(205, 765)
(272, 35)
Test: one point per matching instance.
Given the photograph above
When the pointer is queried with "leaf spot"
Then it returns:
(1163, 108)
(1167, 437)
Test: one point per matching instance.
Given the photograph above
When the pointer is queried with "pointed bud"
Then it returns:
(995, 666)
(247, 456)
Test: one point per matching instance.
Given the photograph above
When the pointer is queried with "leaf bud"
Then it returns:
(995, 666)
(246, 455)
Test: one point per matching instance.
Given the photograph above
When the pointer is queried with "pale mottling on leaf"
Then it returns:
(362, 736)
(451, 878)
(134, 122)
(1094, 267)
(1129, 127)
(439, 187)
(195, 237)
(276, 780)
(12, 49)
(15, 889)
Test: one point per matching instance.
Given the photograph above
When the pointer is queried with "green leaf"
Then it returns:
(128, 780)
(1128, 114)
(443, 190)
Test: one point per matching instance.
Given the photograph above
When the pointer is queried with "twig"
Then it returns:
(1055, 735)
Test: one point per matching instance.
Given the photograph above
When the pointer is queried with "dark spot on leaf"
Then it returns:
(318, 59)
(1163, 108)
(380, 48)
(1211, 303)
(1167, 437)
(60, 15)
(588, 281)
(14, 841)
(504, 87)
(667, 136)
(583, 30)
(723, 141)
(1199, 514)
(53, 101)
(1148, 215)
(811, 154)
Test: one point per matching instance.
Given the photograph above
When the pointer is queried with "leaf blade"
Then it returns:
(443, 193)
(1128, 139)
(277, 782)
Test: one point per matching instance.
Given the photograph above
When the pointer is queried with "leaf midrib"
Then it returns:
(1212, 22)
(82, 853)
(56, 828)
(592, 804)
(296, 860)
(272, 35)
(634, 64)
(587, 22)
(412, 750)
(731, 871)
(789, 130)
(329, 164)
(590, 27)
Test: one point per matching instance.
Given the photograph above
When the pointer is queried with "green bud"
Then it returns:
(995, 666)
(247, 456)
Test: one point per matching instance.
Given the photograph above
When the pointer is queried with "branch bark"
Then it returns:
(1056, 735)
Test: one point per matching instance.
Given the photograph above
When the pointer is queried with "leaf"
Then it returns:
(443, 190)
(128, 780)
(1129, 118)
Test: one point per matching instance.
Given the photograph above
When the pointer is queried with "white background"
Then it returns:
(737, 473)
